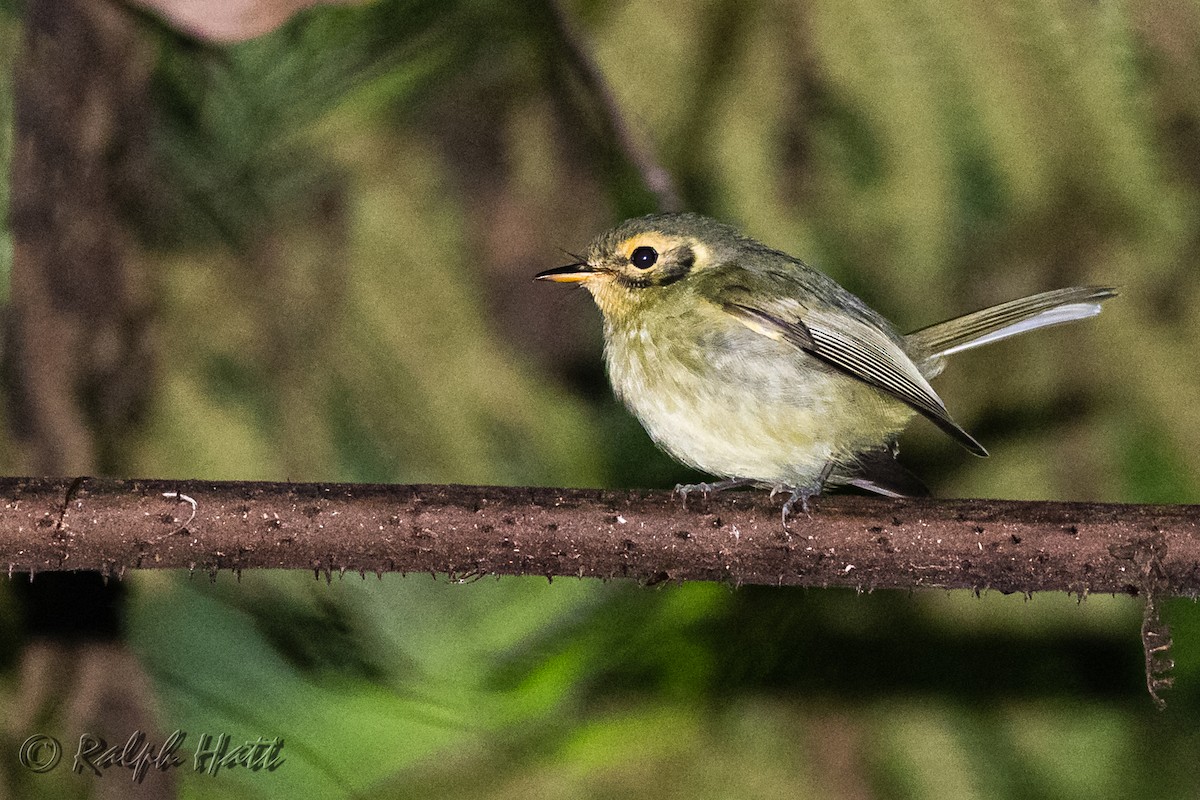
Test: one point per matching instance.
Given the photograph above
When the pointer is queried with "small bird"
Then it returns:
(746, 363)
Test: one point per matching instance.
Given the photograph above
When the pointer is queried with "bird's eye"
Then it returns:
(643, 257)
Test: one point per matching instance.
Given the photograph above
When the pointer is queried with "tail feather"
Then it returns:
(1008, 319)
(878, 471)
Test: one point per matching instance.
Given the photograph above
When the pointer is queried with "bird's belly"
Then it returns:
(776, 415)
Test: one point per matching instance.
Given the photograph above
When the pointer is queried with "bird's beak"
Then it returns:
(571, 273)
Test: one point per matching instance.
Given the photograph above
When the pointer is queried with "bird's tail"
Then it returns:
(992, 324)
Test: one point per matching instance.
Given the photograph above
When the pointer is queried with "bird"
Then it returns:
(746, 363)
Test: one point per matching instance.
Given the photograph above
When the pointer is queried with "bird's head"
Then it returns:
(634, 264)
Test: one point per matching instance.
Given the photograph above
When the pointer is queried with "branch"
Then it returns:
(655, 177)
(865, 543)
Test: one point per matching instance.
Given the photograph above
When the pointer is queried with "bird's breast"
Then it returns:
(733, 403)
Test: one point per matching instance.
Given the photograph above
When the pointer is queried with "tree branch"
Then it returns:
(865, 543)
(655, 177)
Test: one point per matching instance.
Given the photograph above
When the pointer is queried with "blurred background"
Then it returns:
(264, 246)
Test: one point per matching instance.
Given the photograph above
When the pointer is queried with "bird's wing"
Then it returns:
(849, 344)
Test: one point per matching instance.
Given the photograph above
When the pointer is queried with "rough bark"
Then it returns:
(78, 354)
(866, 543)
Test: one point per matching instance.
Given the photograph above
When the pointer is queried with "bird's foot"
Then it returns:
(798, 496)
(684, 489)
(801, 494)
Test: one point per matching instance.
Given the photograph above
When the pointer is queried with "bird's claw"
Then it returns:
(801, 494)
(684, 489)
(798, 496)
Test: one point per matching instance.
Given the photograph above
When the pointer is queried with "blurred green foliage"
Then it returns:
(349, 210)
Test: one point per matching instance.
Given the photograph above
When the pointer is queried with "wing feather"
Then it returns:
(853, 346)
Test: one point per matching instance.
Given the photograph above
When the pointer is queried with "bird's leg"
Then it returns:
(801, 494)
(684, 489)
